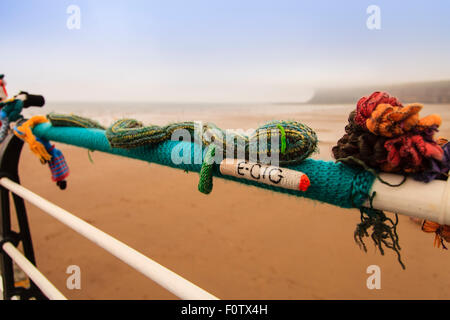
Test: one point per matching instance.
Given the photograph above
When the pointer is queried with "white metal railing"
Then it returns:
(166, 278)
(31, 271)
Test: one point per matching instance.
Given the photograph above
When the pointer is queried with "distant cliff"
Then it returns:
(426, 92)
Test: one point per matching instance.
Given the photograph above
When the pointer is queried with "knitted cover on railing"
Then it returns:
(333, 183)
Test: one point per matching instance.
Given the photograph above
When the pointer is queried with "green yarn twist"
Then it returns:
(296, 140)
(64, 120)
(130, 133)
(205, 183)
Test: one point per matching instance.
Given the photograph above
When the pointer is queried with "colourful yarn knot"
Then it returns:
(360, 144)
(366, 105)
(383, 134)
(25, 133)
(407, 153)
(57, 164)
(388, 136)
(44, 150)
(436, 169)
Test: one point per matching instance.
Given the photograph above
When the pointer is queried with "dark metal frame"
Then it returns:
(10, 151)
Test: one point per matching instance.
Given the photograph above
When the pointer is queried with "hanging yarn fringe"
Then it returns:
(384, 230)
(57, 164)
(384, 135)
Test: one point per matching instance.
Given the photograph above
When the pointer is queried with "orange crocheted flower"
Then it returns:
(441, 141)
(429, 121)
(442, 232)
(392, 121)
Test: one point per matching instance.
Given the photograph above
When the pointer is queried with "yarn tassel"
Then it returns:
(25, 133)
(57, 164)
(384, 230)
(59, 168)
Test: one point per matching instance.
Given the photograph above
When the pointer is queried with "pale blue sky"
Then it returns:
(218, 50)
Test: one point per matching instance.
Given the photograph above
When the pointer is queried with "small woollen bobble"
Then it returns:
(58, 167)
(57, 164)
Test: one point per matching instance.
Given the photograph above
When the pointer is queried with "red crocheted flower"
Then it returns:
(366, 105)
(408, 152)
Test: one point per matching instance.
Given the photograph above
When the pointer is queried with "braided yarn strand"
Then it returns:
(72, 120)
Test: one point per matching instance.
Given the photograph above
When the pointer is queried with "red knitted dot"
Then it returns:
(304, 183)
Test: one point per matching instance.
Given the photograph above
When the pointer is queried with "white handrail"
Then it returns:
(31, 271)
(430, 201)
(166, 278)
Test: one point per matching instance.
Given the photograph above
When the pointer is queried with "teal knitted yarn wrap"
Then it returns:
(334, 183)
(296, 141)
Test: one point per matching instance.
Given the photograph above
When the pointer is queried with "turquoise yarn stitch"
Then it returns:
(12, 109)
(334, 183)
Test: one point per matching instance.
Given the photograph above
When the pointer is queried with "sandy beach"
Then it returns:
(239, 242)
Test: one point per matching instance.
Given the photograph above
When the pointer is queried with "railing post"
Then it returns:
(10, 151)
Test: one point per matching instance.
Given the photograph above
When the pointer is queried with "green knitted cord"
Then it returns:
(205, 183)
(64, 120)
(130, 133)
(296, 140)
(283, 138)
